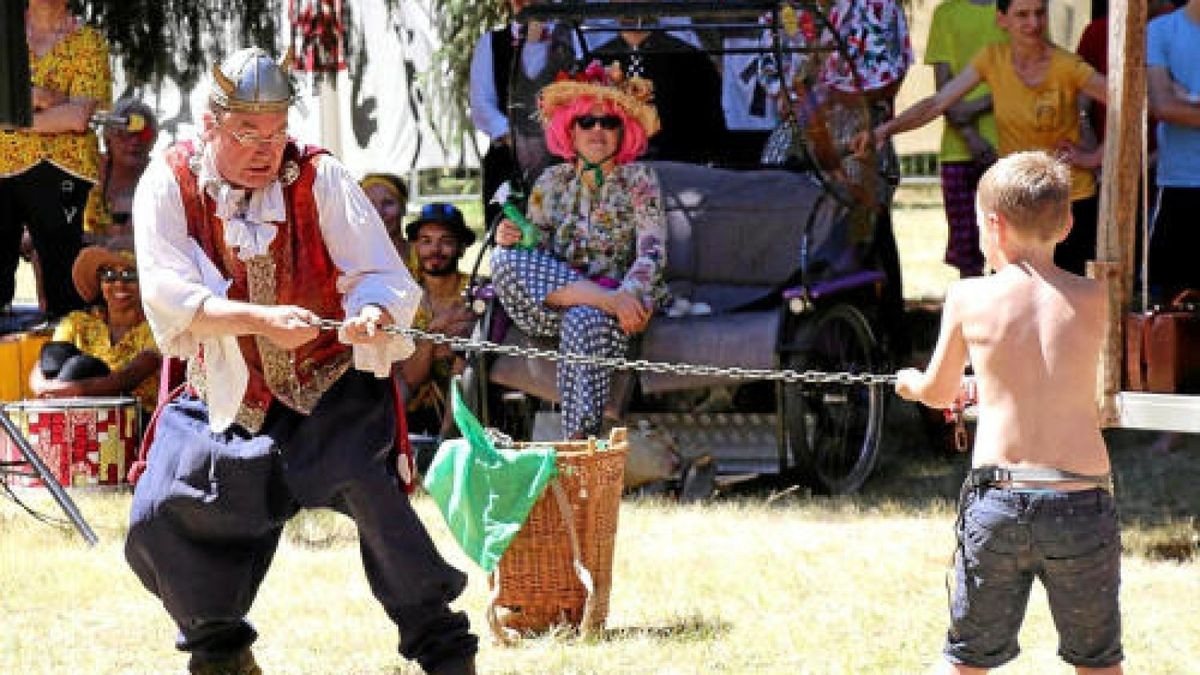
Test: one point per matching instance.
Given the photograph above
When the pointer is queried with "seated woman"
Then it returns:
(126, 156)
(107, 350)
(594, 276)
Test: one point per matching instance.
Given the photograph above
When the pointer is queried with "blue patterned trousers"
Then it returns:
(523, 280)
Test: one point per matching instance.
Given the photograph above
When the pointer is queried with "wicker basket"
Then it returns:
(543, 579)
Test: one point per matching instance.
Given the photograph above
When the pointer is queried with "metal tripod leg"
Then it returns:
(48, 479)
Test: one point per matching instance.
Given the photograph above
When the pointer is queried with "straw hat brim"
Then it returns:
(558, 94)
(86, 270)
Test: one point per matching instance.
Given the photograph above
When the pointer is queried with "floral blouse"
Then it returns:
(618, 231)
(876, 37)
(77, 66)
(89, 332)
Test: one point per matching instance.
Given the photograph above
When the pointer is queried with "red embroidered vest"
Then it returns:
(298, 271)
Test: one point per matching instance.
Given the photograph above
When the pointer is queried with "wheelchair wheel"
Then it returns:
(833, 429)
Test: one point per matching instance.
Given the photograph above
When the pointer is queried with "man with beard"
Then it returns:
(439, 236)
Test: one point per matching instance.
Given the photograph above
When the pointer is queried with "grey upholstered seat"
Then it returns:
(734, 240)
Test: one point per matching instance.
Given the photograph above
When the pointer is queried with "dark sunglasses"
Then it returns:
(127, 275)
(606, 122)
(121, 218)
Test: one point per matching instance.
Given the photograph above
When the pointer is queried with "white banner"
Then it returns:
(378, 116)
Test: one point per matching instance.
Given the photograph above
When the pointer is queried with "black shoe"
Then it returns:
(241, 663)
(466, 667)
(699, 480)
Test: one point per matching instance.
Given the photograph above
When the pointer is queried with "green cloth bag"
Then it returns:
(485, 493)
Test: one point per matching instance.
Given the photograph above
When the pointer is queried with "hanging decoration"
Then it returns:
(318, 36)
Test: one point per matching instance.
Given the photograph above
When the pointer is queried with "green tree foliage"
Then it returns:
(460, 23)
(176, 38)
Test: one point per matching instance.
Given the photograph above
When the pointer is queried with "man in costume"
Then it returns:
(245, 240)
(516, 147)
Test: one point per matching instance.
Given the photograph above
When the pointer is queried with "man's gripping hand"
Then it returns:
(288, 326)
(366, 328)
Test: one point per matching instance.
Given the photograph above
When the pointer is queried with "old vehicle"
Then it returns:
(764, 277)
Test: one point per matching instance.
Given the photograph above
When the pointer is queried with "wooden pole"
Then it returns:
(16, 109)
(1119, 187)
(329, 104)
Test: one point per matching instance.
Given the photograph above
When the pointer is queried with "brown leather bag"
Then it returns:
(1162, 347)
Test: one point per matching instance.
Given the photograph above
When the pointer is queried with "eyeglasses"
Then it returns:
(129, 276)
(606, 122)
(121, 217)
(439, 211)
(251, 139)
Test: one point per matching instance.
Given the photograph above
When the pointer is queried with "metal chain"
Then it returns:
(735, 372)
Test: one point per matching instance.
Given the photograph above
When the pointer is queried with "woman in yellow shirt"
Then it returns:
(1035, 91)
(109, 349)
(47, 170)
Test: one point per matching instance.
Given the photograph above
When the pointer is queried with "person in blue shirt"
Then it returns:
(1173, 78)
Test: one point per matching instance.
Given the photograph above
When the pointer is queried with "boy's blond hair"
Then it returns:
(1032, 190)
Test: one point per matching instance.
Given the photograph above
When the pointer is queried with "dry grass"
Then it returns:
(920, 224)
(803, 586)
(799, 586)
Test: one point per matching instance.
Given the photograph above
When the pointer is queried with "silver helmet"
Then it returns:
(249, 80)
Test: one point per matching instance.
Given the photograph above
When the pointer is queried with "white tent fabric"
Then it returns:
(381, 117)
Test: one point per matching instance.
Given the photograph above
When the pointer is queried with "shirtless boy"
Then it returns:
(1037, 500)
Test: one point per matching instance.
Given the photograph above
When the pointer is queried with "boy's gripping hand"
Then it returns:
(968, 394)
(908, 384)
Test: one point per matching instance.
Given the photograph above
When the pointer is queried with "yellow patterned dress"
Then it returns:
(88, 331)
(78, 67)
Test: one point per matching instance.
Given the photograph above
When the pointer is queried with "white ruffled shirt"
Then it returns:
(176, 276)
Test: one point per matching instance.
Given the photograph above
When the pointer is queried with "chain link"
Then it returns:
(735, 372)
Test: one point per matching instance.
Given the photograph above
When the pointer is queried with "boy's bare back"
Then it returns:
(1034, 338)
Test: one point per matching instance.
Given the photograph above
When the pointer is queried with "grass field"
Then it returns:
(762, 580)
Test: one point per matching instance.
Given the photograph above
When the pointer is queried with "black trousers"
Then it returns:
(50, 202)
(892, 316)
(498, 166)
(1079, 247)
(208, 513)
(1174, 241)
(65, 362)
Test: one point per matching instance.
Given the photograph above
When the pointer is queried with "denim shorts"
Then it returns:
(1070, 541)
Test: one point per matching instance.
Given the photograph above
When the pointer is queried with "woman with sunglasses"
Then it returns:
(594, 276)
(107, 350)
(126, 156)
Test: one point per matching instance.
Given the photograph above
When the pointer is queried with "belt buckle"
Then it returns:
(990, 475)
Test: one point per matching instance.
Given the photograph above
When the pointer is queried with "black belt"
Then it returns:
(986, 476)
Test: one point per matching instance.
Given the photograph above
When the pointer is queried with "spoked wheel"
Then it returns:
(833, 429)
